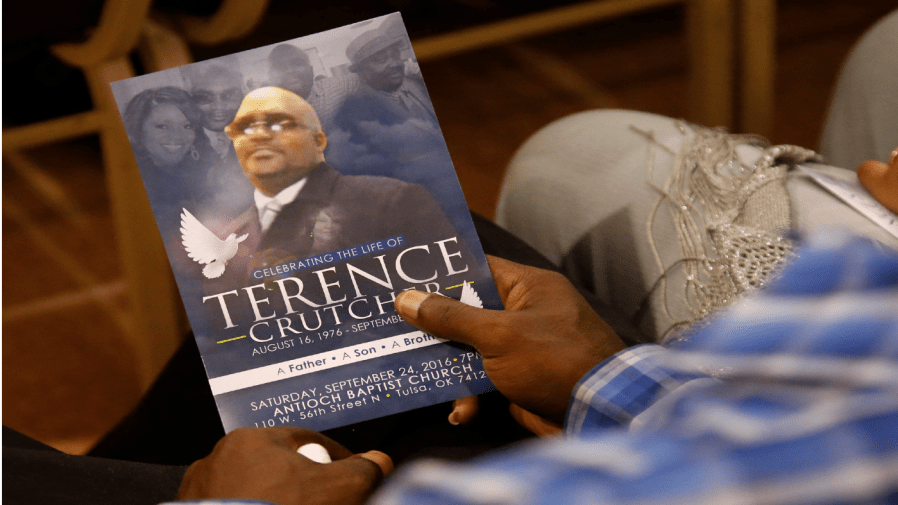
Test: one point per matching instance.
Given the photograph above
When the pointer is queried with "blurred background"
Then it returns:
(89, 312)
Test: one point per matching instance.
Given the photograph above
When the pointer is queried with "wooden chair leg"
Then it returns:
(158, 320)
(757, 72)
(708, 24)
(233, 20)
(162, 48)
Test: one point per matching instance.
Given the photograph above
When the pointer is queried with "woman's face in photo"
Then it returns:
(326, 227)
(167, 135)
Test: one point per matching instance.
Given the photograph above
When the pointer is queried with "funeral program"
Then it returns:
(299, 187)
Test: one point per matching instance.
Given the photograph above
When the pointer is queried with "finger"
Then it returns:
(506, 274)
(464, 410)
(384, 462)
(870, 172)
(522, 287)
(187, 481)
(535, 424)
(445, 317)
(294, 438)
(367, 466)
(881, 181)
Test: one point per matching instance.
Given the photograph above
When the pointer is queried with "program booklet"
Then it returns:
(299, 187)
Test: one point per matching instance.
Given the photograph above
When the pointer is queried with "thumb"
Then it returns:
(368, 469)
(380, 459)
(445, 317)
(871, 172)
(881, 181)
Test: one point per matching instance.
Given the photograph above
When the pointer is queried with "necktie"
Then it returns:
(220, 144)
(269, 213)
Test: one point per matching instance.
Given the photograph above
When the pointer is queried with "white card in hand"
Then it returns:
(856, 196)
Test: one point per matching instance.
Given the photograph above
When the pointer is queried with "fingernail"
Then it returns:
(892, 157)
(380, 459)
(453, 418)
(408, 303)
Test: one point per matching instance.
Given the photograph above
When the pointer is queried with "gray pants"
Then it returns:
(582, 191)
(862, 121)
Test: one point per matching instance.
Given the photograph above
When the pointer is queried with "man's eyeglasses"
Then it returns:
(208, 97)
(269, 125)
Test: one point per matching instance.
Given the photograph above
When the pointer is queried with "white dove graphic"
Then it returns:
(470, 297)
(205, 247)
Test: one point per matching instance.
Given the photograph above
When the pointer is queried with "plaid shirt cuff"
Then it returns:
(620, 388)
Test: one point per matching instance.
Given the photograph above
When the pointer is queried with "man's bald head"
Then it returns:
(277, 137)
(274, 96)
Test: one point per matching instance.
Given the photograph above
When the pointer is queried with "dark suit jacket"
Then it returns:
(334, 212)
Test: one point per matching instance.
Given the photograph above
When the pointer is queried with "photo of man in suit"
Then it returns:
(216, 88)
(217, 91)
(289, 68)
(303, 206)
(388, 126)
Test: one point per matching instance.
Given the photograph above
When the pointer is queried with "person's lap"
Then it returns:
(38, 474)
(143, 459)
(578, 191)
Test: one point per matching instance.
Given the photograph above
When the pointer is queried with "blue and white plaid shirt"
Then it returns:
(790, 397)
